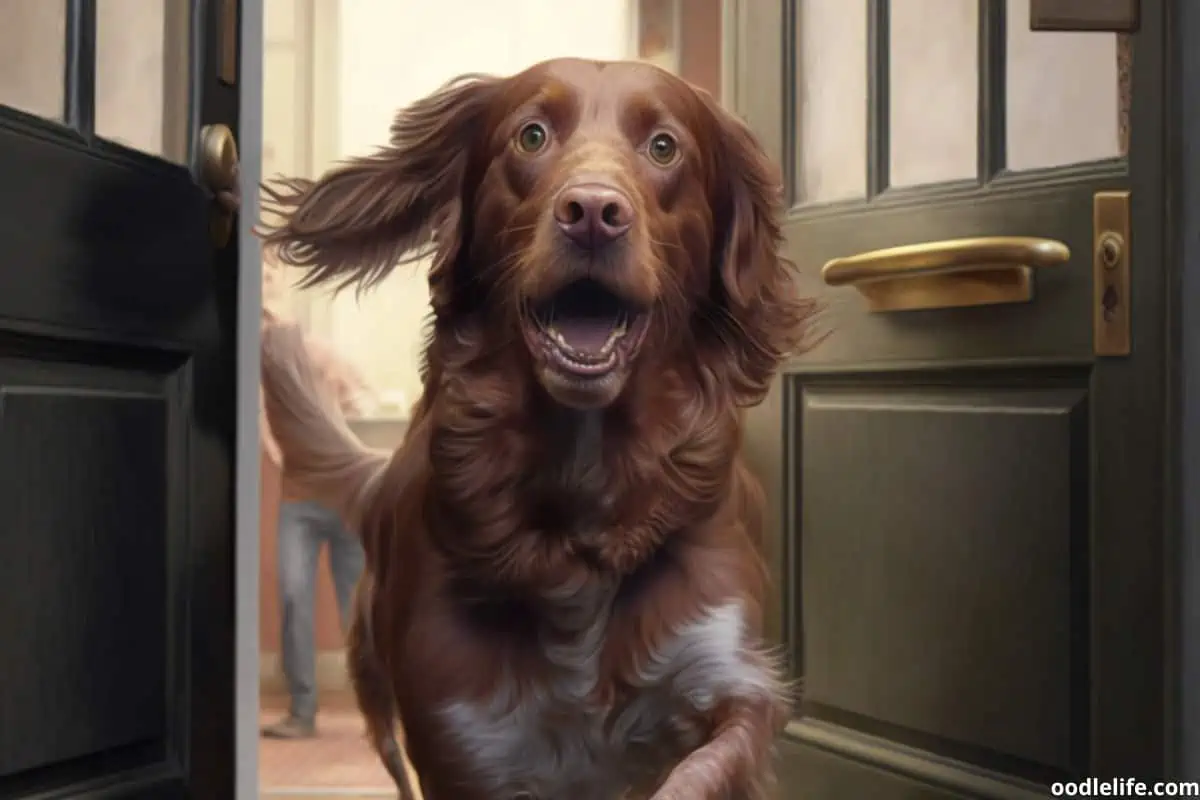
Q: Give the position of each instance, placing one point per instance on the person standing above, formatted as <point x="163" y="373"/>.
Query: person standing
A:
<point x="305" y="527"/>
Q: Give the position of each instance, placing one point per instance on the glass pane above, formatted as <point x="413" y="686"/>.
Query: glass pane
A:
<point x="33" y="60"/>
<point x="142" y="75"/>
<point x="688" y="44"/>
<point x="831" y="43"/>
<point x="933" y="91"/>
<point x="1063" y="95"/>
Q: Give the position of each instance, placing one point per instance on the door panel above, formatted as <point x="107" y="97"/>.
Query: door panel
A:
<point x="117" y="409"/>
<point x="946" y="613"/>
<point x="967" y="540"/>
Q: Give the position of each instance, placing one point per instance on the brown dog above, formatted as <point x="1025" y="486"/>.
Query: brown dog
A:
<point x="564" y="591"/>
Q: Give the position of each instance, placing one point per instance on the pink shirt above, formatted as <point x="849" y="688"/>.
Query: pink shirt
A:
<point x="336" y="375"/>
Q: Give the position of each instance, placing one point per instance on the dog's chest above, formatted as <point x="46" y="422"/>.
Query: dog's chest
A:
<point x="554" y="739"/>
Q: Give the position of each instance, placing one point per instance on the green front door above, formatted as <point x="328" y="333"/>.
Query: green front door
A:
<point x="968" y="471"/>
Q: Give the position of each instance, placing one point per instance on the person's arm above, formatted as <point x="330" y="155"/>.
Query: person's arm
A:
<point x="269" y="445"/>
<point x="267" y="439"/>
<point x="341" y="376"/>
<point x="355" y="395"/>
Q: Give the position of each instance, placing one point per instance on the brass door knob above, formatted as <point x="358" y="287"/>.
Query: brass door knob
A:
<point x="219" y="171"/>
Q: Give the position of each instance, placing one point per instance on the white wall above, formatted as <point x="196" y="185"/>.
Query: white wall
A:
<point x="392" y="52"/>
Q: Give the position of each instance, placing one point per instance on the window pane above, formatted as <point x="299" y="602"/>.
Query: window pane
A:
<point x="142" y="50"/>
<point x="934" y="91"/>
<point x="831" y="43"/>
<point x="33" y="39"/>
<point x="1063" y="95"/>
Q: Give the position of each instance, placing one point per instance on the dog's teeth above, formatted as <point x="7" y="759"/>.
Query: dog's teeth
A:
<point x="614" y="335"/>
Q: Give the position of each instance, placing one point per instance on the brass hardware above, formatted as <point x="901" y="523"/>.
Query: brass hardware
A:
<point x="1110" y="274"/>
<point x="1117" y="16"/>
<point x="1111" y="247"/>
<point x="227" y="42"/>
<point x="954" y="273"/>
<point x="219" y="170"/>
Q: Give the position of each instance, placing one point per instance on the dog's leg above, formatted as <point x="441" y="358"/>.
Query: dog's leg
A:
<point x="736" y="762"/>
<point x="373" y="690"/>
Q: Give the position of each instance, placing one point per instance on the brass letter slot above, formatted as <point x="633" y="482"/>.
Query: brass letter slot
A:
<point x="1110" y="274"/>
<point x="955" y="273"/>
<point x="1117" y="16"/>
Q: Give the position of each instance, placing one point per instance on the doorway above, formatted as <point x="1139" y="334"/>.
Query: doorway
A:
<point x="96" y="108"/>
<point x="335" y="72"/>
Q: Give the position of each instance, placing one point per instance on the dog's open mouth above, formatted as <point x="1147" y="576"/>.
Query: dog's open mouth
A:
<point x="587" y="330"/>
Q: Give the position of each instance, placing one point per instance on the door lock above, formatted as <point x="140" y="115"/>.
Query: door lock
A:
<point x="1110" y="274"/>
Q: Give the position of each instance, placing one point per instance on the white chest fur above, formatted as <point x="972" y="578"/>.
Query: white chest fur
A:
<point x="557" y="742"/>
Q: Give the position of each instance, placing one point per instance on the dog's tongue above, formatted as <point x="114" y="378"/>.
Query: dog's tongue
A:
<point x="584" y="334"/>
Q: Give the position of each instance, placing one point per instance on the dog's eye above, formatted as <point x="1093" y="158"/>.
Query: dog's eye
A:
<point x="663" y="149"/>
<point x="532" y="137"/>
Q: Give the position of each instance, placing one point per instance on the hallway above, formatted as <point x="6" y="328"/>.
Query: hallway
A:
<point x="337" y="765"/>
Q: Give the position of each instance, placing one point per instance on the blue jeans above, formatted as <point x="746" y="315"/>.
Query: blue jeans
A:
<point x="303" y="528"/>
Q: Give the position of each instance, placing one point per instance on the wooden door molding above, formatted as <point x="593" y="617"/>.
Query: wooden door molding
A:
<point x="1182" y="409"/>
<point x="247" y="464"/>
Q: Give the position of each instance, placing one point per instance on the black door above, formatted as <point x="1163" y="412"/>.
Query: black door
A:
<point x="117" y="399"/>
<point x="970" y="469"/>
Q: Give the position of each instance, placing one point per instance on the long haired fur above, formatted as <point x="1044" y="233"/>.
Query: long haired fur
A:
<point x="508" y="525"/>
<point x="399" y="205"/>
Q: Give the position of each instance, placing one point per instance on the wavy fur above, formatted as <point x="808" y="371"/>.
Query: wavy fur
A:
<point x="507" y="524"/>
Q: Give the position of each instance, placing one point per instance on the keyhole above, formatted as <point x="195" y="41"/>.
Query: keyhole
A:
<point x="1109" y="303"/>
<point x="1111" y="247"/>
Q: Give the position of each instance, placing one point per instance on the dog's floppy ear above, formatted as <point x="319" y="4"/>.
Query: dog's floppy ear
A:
<point x="370" y="214"/>
<point x="760" y="317"/>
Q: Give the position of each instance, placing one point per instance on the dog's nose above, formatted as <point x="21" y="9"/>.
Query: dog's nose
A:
<point x="593" y="214"/>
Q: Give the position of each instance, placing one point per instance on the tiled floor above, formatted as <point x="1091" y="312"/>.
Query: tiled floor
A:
<point x="337" y="764"/>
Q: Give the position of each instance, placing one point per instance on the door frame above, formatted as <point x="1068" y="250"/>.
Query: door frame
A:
<point x="246" y="460"/>
<point x="1184" y="358"/>
<point x="1173" y="165"/>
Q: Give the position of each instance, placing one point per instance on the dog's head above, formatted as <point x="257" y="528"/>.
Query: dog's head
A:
<point x="608" y="216"/>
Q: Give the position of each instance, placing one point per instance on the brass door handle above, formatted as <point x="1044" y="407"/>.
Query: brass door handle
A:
<point x="953" y="273"/>
<point x="219" y="170"/>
